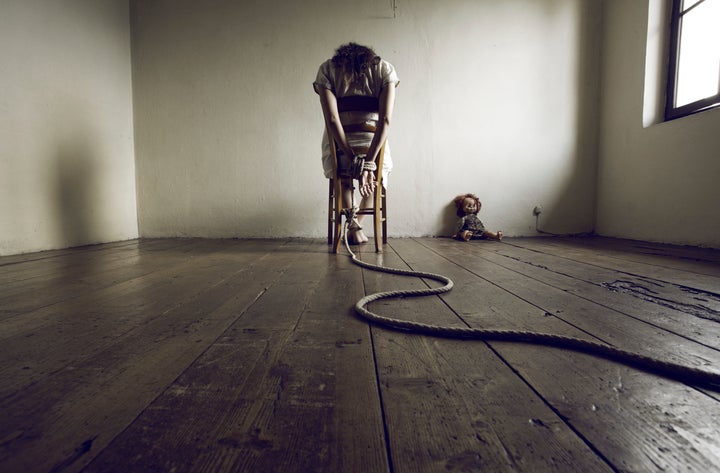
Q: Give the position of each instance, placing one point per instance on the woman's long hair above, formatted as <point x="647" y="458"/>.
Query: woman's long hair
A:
<point x="353" y="57"/>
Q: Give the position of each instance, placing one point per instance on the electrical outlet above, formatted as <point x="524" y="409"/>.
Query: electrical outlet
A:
<point x="537" y="210"/>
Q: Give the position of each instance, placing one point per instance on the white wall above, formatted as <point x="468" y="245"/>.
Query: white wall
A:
<point x="658" y="183"/>
<point x="496" y="98"/>
<point x="67" y="173"/>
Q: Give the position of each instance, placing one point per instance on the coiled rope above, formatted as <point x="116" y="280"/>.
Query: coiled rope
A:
<point x="683" y="373"/>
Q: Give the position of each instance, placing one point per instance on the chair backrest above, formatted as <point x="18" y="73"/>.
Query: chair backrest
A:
<point x="358" y="103"/>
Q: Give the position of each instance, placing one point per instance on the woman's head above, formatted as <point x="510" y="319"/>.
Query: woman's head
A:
<point x="353" y="57"/>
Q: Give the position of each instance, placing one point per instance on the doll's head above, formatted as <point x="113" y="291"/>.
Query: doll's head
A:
<point x="467" y="204"/>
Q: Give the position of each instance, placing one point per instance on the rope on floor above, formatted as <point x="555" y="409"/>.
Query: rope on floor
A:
<point x="683" y="373"/>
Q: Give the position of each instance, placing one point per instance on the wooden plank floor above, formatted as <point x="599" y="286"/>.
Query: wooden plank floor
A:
<point x="191" y="355"/>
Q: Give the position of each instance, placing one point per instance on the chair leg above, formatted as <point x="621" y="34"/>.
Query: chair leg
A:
<point x="338" y="234"/>
<point x="331" y="210"/>
<point x="377" y="218"/>
<point x="337" y="216"/>
<point x="383" y="201"/>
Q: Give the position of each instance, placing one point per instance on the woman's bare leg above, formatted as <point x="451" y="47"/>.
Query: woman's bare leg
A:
<point x="355" y="235"/>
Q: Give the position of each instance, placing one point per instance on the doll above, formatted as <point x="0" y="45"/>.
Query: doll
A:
<point x="470" y="227"/>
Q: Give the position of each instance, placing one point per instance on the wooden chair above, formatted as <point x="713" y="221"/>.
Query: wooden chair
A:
<point x="378" y="210"/>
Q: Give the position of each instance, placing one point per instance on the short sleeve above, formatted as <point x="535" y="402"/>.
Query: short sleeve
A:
<point x="389" y="76"/>
<point x="322" y="80"/>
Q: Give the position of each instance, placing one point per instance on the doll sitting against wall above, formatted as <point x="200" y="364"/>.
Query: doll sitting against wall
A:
<point x="470" y="227"/>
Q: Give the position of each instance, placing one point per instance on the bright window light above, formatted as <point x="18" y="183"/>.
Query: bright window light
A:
<point x="694" y="82"/>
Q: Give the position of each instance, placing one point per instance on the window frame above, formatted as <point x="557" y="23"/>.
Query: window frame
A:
<point x="671" y="111"/>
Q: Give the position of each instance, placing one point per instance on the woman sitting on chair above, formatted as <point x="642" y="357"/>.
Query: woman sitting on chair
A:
<point x="356" y="71"/>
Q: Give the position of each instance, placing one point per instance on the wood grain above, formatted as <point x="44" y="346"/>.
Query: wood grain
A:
<point x="192" y="355"/>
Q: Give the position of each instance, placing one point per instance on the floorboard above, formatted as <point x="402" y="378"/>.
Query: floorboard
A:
<point x="584" y="390"/>
<point x="192" y="355"/>
<point x="454" y="405"/>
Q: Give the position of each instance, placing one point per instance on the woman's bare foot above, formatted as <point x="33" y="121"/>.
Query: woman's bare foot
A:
<point x="357" y="237"/>
<point x="355" y="234"/>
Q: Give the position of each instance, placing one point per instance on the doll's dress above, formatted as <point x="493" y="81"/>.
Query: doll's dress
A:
<point x="472" y="222"/>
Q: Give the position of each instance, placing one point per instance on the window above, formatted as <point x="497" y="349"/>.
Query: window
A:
<point x="694" y="69"/>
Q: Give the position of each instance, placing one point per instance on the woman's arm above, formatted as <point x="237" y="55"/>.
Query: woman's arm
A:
<point x="386" y="105"/>
<point x="387" y="102"/>
<point x="328" y="102"/>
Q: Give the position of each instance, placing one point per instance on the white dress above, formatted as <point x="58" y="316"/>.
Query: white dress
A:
<point x="368" y="84"/>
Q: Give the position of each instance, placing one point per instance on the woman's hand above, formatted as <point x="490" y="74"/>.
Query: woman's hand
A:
<point x="367" y="183"/>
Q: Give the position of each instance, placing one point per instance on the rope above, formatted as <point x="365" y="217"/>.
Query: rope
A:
<point x="683" y="373"/>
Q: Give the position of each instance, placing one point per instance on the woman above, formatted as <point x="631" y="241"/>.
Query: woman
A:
<point x="356" y="70"/>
